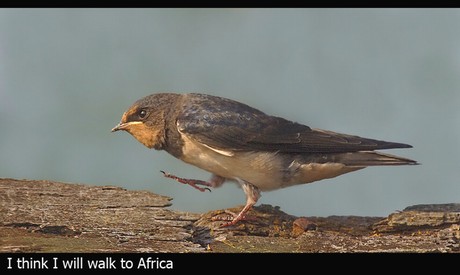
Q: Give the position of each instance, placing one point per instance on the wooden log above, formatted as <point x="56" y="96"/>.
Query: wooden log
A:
<point x="49" y="216"/>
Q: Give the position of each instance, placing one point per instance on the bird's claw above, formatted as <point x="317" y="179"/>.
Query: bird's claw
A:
<point x="190" y="182"/>
<point x="232" y="218"/>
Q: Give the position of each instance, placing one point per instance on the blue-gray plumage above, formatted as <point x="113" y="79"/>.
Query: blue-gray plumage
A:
<point x="236" y="142"/>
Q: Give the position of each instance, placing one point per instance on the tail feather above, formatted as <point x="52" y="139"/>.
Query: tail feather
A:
<point x="372" y="158"/>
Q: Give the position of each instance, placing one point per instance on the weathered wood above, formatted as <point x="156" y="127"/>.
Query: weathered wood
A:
<point x="48" y="216"/>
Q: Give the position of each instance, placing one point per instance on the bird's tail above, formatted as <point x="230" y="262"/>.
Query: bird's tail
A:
<point x="372" y="158"/>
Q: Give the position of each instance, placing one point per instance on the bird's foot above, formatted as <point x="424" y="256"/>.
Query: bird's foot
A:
<point x="233" y="218"/>
<point x="190" y="182"/>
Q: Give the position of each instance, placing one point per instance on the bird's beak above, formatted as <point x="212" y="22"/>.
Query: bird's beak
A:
<point x="120" y="126"/>
<point x="125" y="125"/>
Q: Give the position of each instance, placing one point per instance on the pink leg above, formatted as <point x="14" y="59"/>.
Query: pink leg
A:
<point x="252" y="195"/>
<point x="215" y="181"/>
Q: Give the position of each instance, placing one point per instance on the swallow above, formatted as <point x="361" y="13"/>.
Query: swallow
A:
<point x="236" y="142"/>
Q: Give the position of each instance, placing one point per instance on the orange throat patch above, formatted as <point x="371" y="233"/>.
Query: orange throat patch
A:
<point x="145" y="135"/>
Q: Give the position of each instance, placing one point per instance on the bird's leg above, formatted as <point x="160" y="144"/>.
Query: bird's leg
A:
<point x="252" y="196"/>
<point x="215" y="181"/>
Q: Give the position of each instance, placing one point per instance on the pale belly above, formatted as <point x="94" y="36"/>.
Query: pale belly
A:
<point x="266" y="170"/>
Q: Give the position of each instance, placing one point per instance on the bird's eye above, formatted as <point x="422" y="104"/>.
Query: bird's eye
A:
<point x="142" y="114"/>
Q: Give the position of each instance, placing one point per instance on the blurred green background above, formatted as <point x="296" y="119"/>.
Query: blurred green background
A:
<point x="67" y="75"/>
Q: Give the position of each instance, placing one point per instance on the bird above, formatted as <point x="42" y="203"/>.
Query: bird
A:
<point x="238" y="143"/>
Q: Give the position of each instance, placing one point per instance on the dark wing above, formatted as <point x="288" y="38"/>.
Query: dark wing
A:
<point x="229" y="125"/>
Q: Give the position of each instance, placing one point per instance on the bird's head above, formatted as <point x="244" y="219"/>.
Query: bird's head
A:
<point x="145" y="120"/>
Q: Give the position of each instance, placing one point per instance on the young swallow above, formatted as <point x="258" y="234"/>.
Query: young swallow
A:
<point x="236" y="142"/>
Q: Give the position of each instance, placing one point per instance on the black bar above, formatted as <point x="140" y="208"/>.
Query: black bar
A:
<point x="204" y="262"/>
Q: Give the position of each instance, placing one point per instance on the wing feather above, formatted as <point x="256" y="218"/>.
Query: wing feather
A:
<point x="224" y="124"/>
